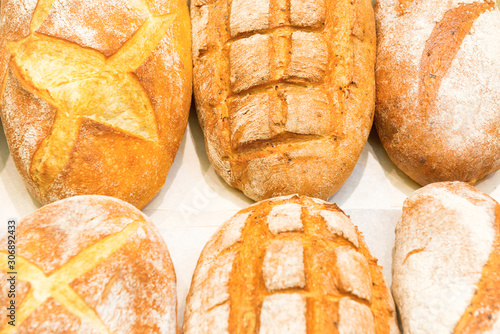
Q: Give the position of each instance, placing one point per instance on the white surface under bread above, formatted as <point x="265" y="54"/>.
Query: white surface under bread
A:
<point x="195" y="201"/>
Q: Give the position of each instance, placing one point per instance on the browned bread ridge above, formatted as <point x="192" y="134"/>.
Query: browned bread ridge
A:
<point x="94" y="95"/>
<point x="446" y="268"/>
<point x="89" y="264"/>
<point x="438" y="87"/>
<point x="284" y="91"/>
<point x="289" y="265"/>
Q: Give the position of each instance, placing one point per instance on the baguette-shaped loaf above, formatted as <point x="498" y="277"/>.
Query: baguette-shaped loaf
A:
<point x="88" y="265"/>
<point x="446" y="268"/>
<point x="438" y="87"/>
<point x="94" y="95"/>
<point x="284" y="91"/>
<point x="289" y="265"/>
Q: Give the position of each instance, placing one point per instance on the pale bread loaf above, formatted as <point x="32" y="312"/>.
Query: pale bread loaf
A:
<point x="284" y="91"/>
<point x="89" y="264"/>
<point x="446" y="268"/>
<point x="289" y="265"/>
<point x="94" y="94"/>
<point x="438" y="87"/>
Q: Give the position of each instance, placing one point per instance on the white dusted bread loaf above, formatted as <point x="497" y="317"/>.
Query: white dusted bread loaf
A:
<point x="88" y="265"/>
<point x="288" y="265"/>
<point x="446" y="268"/>
<point x="285" y="91"/>
<point x="438" y="87"/>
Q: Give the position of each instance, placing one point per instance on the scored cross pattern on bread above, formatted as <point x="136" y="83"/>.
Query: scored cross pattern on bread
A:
<point x="291" y="265"/>
<point x="83" y="83"/>
<point x="89" y="264"/>
<point x="93" y="89"/>
<point x="273" y="78"/>
<point x="56" y="285"/>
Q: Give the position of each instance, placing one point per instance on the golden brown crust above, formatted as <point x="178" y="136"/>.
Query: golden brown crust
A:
<point x="433" y="88"/>
<point x="92" y="279"/>
<point x="294" y="249"/>
<point x="403" y="5"/>
<point x="120" y="70"/>
<point x="442" y="47"/>
<point x="284" y="91"/>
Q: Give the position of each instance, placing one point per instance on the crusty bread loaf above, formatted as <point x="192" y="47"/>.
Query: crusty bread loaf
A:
<point x="446" y="268"/>
<point x="284" y="91"/>
<point x="286" y="265"/>
<point x="89" y="264"/>
<point x="438" y="87"/>
<point x="95" y="95"/>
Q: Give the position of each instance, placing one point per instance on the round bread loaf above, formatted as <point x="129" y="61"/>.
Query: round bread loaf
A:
<point x="95" y="95"/>
<point x="88" y="264"/>
<point x="288" y="265"/>
<point x="438" y="87"/>
<point x="284" y="91"/>
<point x="446" y="268"/>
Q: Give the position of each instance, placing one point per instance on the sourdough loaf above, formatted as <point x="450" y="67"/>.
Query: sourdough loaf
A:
<point x="94" y="95"/>
<point x="89" y="264"/>
<point x="284" y="91"/>
<point x="286" y="265"/>
<point x="438" y="87"/>
<point x="446" y="268"/>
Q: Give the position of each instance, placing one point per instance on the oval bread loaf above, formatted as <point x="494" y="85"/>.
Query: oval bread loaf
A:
<point x="446" y="268"/>
<point x="288" y="265"/>
<point x="94" y="95"/>
<point x="438" y="87"/>
<point x="284" y="91"/>
<point x="89" y="264"/>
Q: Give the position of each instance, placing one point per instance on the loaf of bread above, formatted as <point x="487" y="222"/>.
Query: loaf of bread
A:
<point x="446" y="268"/>
<point x="88" y="264"/>
<point x="284" y="91"/>
<point x="438" y="87"/>
<point x="288" y="265"/>
<point x="94" y="94"/>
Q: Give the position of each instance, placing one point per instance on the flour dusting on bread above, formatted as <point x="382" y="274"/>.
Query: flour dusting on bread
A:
<point x="92" y="279"/>
<point x="286" y="272"/>
<point x="438" y="88"/>
<point x="443" y="241"/>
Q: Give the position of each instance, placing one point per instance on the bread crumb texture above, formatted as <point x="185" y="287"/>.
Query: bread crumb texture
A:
<point x="446" y="268"/>
<point x="108" y="272"/>
<point x="92" y="90"/>
<point x="284" y="91"/>
<point x="289" y="265"/>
